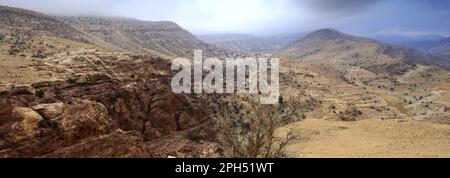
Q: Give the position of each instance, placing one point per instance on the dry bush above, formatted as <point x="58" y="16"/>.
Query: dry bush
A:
<point x="247" y="129"/>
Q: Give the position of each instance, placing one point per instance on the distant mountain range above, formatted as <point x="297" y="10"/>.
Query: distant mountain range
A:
<point x="437" y="47"/>
<point x="402" y="39"/>
<point x="433" y="44"/>
<point x="250" y="43"/>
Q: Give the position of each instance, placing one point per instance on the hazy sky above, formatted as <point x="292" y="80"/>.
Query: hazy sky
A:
<point x="363" y="17"/>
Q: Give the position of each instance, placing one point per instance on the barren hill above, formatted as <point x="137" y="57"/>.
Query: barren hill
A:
<point x="138" y="36"/>
<point x="331" y="46"/>
<point x="21" y="21"/>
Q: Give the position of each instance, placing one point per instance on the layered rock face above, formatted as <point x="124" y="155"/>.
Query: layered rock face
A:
<point x="119" y="105"/>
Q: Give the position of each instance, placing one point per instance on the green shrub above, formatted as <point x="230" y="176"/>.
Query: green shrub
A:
<point x="72" y="81"/>
<point x="220" y="150"/>
<point x="193" y="136"/>
<point x="40" y="93"/>
<point x="42" y="124"/>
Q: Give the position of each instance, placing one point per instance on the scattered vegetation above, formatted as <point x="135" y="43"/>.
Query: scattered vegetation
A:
<point x="351" y="114"/>
<point x="39" y="54"/>
<point x="247" y="129"/>
<point x="18" y="45"/>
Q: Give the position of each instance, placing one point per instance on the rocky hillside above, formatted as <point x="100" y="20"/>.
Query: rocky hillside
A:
<point x="99" y="100"/>
<point x="33" y="23"/>
<point x="141" y="36"/>
<point x="360" y="78"/>
<point x="63" y="96"/>
<point x="331" y="46"/>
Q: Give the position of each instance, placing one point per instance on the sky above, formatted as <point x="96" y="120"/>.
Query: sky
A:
<point x="264" y="17"/>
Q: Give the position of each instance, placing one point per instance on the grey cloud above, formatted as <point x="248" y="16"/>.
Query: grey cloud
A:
<point x="69" y="7"/>
<point x="340" y="7"/>
<point x="266" y="16"/>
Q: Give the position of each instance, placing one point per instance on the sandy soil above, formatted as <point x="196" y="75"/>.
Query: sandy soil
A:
<point x="19" y="70"/>
<point x="368" y="138"/>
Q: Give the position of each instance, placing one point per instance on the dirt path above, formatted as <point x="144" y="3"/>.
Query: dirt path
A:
<point x="368" y="138"/>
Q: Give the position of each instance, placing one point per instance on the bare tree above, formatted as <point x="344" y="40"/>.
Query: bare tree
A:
<point x="247" y="129"/>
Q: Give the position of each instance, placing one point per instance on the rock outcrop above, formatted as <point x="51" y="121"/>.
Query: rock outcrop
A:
<point x="119" y="105"/>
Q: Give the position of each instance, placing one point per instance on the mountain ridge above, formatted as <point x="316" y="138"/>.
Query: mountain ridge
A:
<point x="330" y="45"/>
<point x="135" y="35"/>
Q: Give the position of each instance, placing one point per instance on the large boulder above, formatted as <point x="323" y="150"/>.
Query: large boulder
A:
<point x="28" y="123"/>
<point x="50" y="111"/>
<point x="31" y="135"/>
<point x="83" y="119"/>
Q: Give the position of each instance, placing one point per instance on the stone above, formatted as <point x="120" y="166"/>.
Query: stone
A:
<point x="28" y="123"/>
<point x="49" y="111"/>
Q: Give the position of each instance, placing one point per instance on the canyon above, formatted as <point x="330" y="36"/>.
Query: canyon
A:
<point x="101" y="87"/>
